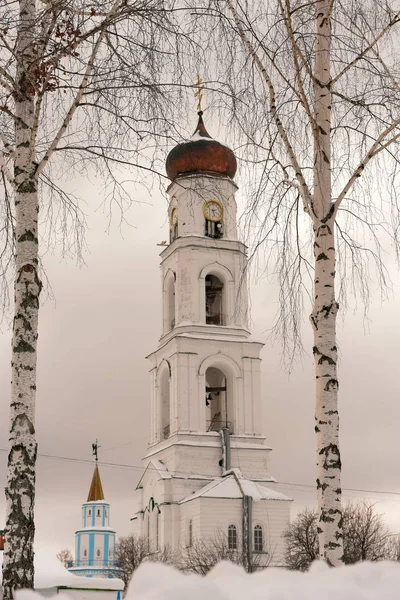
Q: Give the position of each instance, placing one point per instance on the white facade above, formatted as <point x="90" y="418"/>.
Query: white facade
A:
<point x="206" y="469"/>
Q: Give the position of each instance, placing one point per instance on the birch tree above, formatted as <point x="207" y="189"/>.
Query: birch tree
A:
<point x="84" y="84"/>
<point x="315" y="98"/>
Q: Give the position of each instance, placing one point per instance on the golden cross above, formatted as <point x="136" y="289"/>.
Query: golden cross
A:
<point x="198" y="94"/>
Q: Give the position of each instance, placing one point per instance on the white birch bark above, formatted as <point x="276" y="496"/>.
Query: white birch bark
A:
<point x="41" y="63"/>
<point x="20" y="491"/>
<point x="295" y="69"/>
<point x="323" y="316"/>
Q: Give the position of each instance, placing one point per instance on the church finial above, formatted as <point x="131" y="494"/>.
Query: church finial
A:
<point x="95" y="448"/>
<point x="198" y="94"/>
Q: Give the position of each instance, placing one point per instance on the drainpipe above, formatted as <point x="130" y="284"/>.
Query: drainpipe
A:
<point x="226" y="449"/>
<point x="247" y="527"/>
<point x="247" y="533"/>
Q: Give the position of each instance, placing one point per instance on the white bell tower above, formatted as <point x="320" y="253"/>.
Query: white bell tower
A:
<point x="206" y="396"/>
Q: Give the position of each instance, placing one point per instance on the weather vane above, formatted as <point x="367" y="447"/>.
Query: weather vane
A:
<point x="199" y="94"/>
<point x="95" y="448"/>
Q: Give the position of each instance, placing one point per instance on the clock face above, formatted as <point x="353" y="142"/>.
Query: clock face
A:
<point x="213" y="211"/>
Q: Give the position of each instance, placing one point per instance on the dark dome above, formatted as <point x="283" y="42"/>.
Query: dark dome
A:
<point x="200" y="153"/>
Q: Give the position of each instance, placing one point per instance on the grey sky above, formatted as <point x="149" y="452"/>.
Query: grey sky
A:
<point x="93" y="382"/>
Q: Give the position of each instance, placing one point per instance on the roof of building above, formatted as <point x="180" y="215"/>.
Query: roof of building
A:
<point x="233" y="485"/>
<point x="201" y="154"/>
<point x="96" y="489"/>
<point x="50" y="573"/>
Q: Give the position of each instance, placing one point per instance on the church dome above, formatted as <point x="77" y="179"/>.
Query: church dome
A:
<point x="200" y="154"/>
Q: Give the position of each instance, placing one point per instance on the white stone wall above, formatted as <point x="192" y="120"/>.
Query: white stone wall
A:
<point x="187" y="262"/>
<point x="184" y="360"/>
<point x="212" y="517"/>
<point x="84" y="546"/>
<point x="188" y="454"/>
<point x="274" y="516"/>
<point x="189" y="193"/>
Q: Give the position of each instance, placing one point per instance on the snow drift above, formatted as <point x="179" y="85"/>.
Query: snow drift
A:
<point x="363" y="581"/>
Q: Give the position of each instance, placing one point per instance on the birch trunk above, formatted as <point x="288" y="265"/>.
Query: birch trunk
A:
<point x="18" y="569"/>
<point x="323" y="317"/>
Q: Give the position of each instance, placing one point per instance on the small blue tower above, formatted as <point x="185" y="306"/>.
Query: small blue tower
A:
<point x="95" y="541"/>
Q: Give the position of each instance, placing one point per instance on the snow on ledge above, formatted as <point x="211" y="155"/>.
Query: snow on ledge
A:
<point x="363" y="581"/>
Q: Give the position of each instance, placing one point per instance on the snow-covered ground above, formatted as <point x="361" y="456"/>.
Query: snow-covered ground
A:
<point x="51" y="576"/>
<point x="155" y="581"/>
<point x="364" y="581"/>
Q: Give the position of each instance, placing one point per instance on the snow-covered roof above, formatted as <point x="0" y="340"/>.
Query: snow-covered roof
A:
<point x="234" y="485"/>
<point x="50" y="573"/>
<point x="213" y="442"/>
<point x="157" y="466"/>
<point x="95" y="528"/>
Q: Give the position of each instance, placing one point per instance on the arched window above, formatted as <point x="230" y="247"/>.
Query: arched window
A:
<point x="258" y="539"/>
<point x="157" y="532"/>
<point x="173" y="225"/>
<point x="190" y="534"/>
<point x="98" y="512"/>
<point x="85" y="553"/>
<point x="218" y="403"/>
<point x="214" y="300"/>
<point x="232" y="537"/>
<point x="98" y="553"/>
<point x="165" y="405"/>
<point x="171" y="301"/>
<point x="89" y="512"/>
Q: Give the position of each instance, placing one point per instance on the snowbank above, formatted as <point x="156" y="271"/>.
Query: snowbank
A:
<point x="50" y="573"/>
<point x="364" y="581"/>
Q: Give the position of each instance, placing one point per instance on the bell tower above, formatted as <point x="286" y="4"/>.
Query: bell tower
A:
<point x="205" y="392"/>
<point x="206" y="368"/>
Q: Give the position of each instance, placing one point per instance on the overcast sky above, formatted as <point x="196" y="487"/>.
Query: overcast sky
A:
<point x="93" y="382"/>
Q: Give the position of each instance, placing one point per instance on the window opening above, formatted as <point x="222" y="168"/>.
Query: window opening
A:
<point x="157" y="532"/>
<point x="258" y="539"/>
<point x="90" y="513"/>
<point x="214" y="297"/>
<point x="98" y="512"/>
<point x="173" y="225"/>
<point x="85" y="553"/>
<point x="232" y="537"/>
<point x="190" y="536"/>
<point x="171" y="301"/>
<point x="165" y="405"/>
<point x="218" y="411"/>
<point x="98" y="552"/>
<point x="213" y="230"/>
